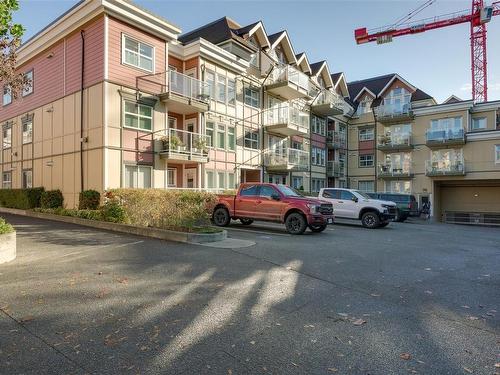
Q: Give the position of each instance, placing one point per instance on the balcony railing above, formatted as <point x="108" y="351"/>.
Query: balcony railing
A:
<point x="178" y="89"/>
<point x="445" y="167"/>
<point x="388" y="113"/>
<point x="181" y="145"/>
<point x="286" y="75"/>
<point x="287" y="159"/>
<point x="336" y="139"/>
<point x="394" y="142"/>
<point x="328" y="103"/>
<point x="335" y="168"/>
<point x="448" y="135"/>
<point x="287" y="120"/>
<point x="391" y="170"/>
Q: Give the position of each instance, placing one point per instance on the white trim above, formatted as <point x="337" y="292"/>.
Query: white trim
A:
<point x="397" y="76"/>
<point x="483" y="135"/>
<point x="129" y="164"/>
<point x="497" y="161"/>
<point x="300" y="61"/>
<point x="361" y="91"/>
<point x="106" y="47"/>
<point x="124" y="62"/>
<point x="255" y="28"/>
<point x="284" y="34"/>
<point x="443" y="108"/>
<point x="487" y="106"/>
<point x="450" y="98"/>
<point x="138" y="116"/>
<point x="329" y="80"/>
<point x="105" y="136"/>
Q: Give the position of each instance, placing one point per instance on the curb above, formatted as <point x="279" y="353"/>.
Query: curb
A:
<point x="162" y="234"/>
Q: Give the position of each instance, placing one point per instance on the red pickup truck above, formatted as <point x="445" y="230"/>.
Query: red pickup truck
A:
<point x="272" y="202"/>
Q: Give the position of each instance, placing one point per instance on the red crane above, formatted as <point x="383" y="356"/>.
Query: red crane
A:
<point x="478" y="17"/>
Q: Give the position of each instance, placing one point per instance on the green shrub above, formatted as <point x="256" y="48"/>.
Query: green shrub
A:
<point x="112" y="210"/>
<point x="89" y="200"/>
<point x="82" y="214"/>
<point x="52" y="199"/>
<point x="23" y="199"/>
<point x="167" y="209"/>
<point x="5" y="227"/>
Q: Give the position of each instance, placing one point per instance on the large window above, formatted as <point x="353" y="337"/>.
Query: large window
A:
<point x="453" y="124"/>
<point x="252" y="97"/>
<point x="27" y="179"/>
<point x="221" y="88"/>
<point x="209" y="130"/>
<point x="231" y="91"/>
<point x="28" y="88"/>
<point x="7" y="180"/>
<point x="210" y="80"/>
<point x="366" y="186"/>
<point x="137" y="54"/>
<point x="366" y="160"/>
<point x="7" y="95"/>
<point x="7" y="136"/>
<point x="210" y="179"/>
<point x="27" y="130"/>
<point x="479" y="123"/>
<point x="366" y="134"/>
<point x="231" y="138"/>
<point x="317" y="184"/>
<point x="171" y="177"/>
<point x="137" y="176"/>
<point x="138" y="116"/>
<point x="318" y="125"/>
<point x="398" y="187"/>
<point x="255" y="57"/>
<point x="221" y="136"/>
<point x="230" y="181"/>
<point x="318" y="156"/>
<point x="298" y="182"/>
<point x="252" y="139"/>
<point x="364" y="106"/>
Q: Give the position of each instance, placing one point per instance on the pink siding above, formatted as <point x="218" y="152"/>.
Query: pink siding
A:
<point x="49" y="73"/>
<point x="124" y="74"/>
<point x="136" y="140"/>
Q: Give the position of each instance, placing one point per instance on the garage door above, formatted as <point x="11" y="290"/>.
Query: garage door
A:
<point x="471" y="204"/>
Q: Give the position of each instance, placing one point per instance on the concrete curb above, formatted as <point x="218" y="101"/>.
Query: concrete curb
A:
<point x="162" y="234"/>
<point x="7" y="247"/>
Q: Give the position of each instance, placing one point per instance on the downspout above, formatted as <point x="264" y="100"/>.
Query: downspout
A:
<point x="375" y="147"/>
<point x="82" y="34"/>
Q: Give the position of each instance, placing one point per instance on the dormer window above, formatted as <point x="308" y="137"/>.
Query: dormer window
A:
<point x="321" y="82"/>
<point x="280" y="55"/>
<point x="398" y="97"/>
<point x="255" y="57"/>
<point x="364" y="105"/>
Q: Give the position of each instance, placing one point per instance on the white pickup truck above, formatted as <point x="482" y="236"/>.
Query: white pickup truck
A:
<point x="356" y="205"/>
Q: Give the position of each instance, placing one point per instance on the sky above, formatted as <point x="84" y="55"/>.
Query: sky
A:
<point x="437" y="61"/>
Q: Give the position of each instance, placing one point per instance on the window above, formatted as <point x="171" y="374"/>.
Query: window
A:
<point x="252" y="97"/>
<point x="366" y="160"/>
<point x="497" y="154"/>
<point x="221" y="180"/>
<point x="318" y="125"/>
<point x="171" y="177"/>
<point x="210" y="79"/>
<point x="398" y="187"/>
<point x="231" y="91"/>
<point x="318" y="156"/>
<point x="478" y="123"/>
<point x="138" y="116"/>
<point x="137" y="176"/>
<point x="346" y="195"/>
<point x="210" y="179"/>
<point x="27" y="131"/>
<point x="252" y="139"/>
<point x="221" y="136"/>
<point x="28" y="88"/>
<point x="27" y="179"/>
<point x="231" y="138"/>
<point x="230" y="181"/>
<point x="209" y="130"/>
<point x="7" y="180"/>
<point x="7" y="96"/>
<point x="7" y="136"/>
<point x="298" y="182"/>
<point x="137" y="54"/>
<point x="331" y="193"/>
<point x="221" y="88"/>
<point x="280" y="54"/>
<point x="317" y="184"/>
<point x="366" y="186"/>
<point x="364" y="106"/>
<point x="451" y="124"/>
<point x="366" y="134"/>
<point x="267" y="191"/>
<point x="248" y="190"/>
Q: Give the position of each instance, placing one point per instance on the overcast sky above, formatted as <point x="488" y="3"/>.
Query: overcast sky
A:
<point x="436" y="61"/>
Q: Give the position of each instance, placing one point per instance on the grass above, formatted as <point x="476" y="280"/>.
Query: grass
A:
<point x="5" y="227"/>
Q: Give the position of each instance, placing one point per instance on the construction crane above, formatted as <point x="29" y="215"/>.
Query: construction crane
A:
<point x="478" y="17"/>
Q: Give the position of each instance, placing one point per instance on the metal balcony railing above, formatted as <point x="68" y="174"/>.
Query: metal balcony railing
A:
<point x="394" y="170"/>
<point x="182" y="142"/>
<point x="393" y="110"/>
<point x="394" y="140"/>
<point x="287" y="115"/>
<point x="287" y="73"/>
<point x="445" y="135"/>
<point x="335" y="168"/>
<point x="445" y="167"/>
<point x="330" y="97"/>
<point x="289" y="158"/>
<point x="336" y="139"/>
<point x="175" y="83"/>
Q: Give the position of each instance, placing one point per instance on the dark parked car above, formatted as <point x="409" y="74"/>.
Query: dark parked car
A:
<point x="406" y="203"/>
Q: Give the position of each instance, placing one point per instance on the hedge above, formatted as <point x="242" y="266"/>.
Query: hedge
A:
<point x="23" y="199"/>
<point x="89" y="200"/>
<point x="51" y="199"/>
<point x="5" y="227"/>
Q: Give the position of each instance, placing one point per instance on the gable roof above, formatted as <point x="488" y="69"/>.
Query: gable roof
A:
<point x="256" y="28"/>
<point x="338" y="79"/>
<point x="452" y="99"/>
<point x="301" y="60"/>
<point x="276" y="38"/>
<point x="321" y="67"/>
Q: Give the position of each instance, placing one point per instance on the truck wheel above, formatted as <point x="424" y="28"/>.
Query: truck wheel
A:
<point x="246" y="221"/>
<point x="295" y="223"/>
<point x="370" y="220"/>
<point x="317" y="228"/>
<point x="400" y="216"/>
<point x="221" y="217"/>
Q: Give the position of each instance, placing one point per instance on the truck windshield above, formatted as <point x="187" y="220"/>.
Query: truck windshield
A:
<point x="363" y="194"/>
<point x="288" y="191"/>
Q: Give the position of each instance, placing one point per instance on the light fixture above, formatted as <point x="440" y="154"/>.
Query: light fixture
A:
<point x="50" y="163"/>
<point x="50" y="55"/>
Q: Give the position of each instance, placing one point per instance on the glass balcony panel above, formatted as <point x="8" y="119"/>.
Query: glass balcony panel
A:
<point x="183" y="145"/>
<point x="445" y="134"/>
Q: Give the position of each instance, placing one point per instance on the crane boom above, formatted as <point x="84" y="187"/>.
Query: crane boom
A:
<point x="477" y="18"/>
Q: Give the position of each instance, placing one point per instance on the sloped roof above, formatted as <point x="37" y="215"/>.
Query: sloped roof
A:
<point x="336" y="76"/>
<point x="452" y="99"/>
<point x="274" y="37"/>
<point x="316" y="67"/>
<point x="246" y="29"/>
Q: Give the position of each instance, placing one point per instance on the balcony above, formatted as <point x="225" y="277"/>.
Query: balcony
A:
<point x="388" y="114"/>
<point x="286" y="120"/>
<point x="394" y="171"/>
<point x="390" y="143"/>
<point x="286" y="160"/>
<point x="445" y="167"/>
<point x="335" y="168"/>
<point x="445" y="137"/>
<point x="289" y="83"/>
<point x="328" y="103"/>
<point x="183" y="147"/>
<point x="181" y="93"/>
<point x="336" y="140"/>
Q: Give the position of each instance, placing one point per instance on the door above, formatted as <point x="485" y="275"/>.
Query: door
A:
<point x="188" y="137"/>
<point x="277" y="179"/>
<point x="266" y="207"/>
<point x="277" y="149"/>
<point x="244" y="204"/>
<point x="347" y="206"/>
<point x="333" y="196"/>
<point x="190" y="178"/>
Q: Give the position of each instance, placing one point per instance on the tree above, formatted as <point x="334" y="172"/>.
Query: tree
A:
<point x="10" y="40"/>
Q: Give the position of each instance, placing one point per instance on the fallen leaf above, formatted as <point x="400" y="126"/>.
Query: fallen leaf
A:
<point x="296" y="365"/>
<point x="473" y="318"/>
<point x="332" y="369"/>
<point x="122" y="280"/>
<point x="427" y="269"/>
<point x="466" y="307"/>
<point x="428" y="292"/>
<point x="468" y="370"/>
<point x="405" y="356"/>
<point x="359" y="322"/>
<point x="26" y="319"/>
<point x="252" y="342"/>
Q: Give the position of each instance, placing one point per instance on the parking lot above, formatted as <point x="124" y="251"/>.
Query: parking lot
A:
<point x="410" y="298"/>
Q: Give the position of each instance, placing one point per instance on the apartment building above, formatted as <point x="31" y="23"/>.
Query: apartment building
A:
<point x="121" y="98"/>
<point x="401" y="140"/>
